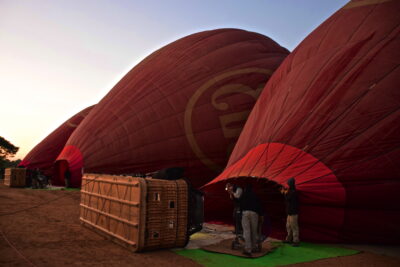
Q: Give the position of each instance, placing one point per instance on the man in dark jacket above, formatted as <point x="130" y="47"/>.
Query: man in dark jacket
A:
<point x="292" y="210"/>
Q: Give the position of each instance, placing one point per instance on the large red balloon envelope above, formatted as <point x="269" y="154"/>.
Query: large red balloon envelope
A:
<point x="184" y="105"/>
<point x="44" y="154"/>
<point x="329" y="116"/>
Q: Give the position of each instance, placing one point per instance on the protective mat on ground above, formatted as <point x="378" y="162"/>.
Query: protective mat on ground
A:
<point x="282" y="255"/>
<point x="225" y="247"/>
<point x="54" y="188"/>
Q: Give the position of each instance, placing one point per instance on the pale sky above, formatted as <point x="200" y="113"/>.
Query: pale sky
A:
<point x="58" y="57"/>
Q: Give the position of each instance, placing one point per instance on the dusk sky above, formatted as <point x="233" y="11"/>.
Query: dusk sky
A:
<point x="61" y="56"/>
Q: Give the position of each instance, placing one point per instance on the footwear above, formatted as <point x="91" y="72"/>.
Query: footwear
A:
<point x="257" y="248"/>
<point x="286" y="242"/>
<point x="262" y="238"/>
<point x="296" y="244"/>
<point x="248" y="254"/>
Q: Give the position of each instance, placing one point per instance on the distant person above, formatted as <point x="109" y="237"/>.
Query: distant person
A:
<point x="34" y="175"/>
<point x="49" y="180"/>
<point x="292" y="210"/>
<point x="28" y="179"/>
<point x="42" y="180"/>
<point x="67" y="178"/>
<point x="251" y="212"/>
<point x="235" y="193"/>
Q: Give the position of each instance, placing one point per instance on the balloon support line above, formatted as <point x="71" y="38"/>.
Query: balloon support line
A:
<point x="322" y="129"/>
<point x="16" y="250"/>
<point x="41" y="204"/>
<point x="346" y="141"/>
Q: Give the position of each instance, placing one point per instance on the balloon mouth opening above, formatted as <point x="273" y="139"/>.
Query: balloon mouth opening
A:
<point x="71" y="160"/>
<point x="60" y="168"/>
<point x="219" y="207"/>
<point x="24" y="163"/>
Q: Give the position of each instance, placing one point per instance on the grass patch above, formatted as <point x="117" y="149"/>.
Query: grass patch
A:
<point x="282" y="255"/>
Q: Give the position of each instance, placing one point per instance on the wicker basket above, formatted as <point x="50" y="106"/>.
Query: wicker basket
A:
<point x="142" y="214"/>
<point x="15" y="177"/>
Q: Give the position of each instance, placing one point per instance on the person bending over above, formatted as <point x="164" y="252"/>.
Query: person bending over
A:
<point x="235" y="193"/>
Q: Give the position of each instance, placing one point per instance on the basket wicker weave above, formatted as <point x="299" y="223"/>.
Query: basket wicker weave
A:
<point x="142" y="214"/>
<point x="15" y="177"/>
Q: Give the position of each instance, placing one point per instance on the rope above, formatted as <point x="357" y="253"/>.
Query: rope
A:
<point x="16" y="250"/>
<point x="176" y="211"/>
<point x="32" y="207"/>
<point x="41" y="204"/>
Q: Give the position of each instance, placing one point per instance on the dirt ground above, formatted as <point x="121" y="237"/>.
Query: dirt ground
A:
<point x="51" y="235"/>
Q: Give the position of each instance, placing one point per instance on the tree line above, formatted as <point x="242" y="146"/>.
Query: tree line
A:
<point x="7" y="152"/>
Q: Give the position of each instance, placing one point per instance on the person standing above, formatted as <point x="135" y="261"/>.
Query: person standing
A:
<point x="67" y="178"/>
<point x="235" y="193"/>
<point x="35" y="179"/>
<point x="292" y="210"/>
<point x="251" y="210"/>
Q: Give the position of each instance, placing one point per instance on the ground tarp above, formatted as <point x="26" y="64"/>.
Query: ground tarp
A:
<point x="282" y="255"/>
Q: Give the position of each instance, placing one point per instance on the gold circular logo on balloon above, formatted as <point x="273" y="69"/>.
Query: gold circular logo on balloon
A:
<point x="228" y="88"/>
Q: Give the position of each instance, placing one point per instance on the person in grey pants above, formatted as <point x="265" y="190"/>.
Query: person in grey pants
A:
<point x="252" y="209"/>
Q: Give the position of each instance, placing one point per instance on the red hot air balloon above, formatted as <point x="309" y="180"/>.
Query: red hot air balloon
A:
<point x="329" y="116"/>
<point x="44" y="154"/>
<point x="184" y="105"/>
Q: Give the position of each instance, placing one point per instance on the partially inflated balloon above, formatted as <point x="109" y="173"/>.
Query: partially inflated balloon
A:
<point x="184" y="105"/>
<point x="329" y="116"/>
<point x="44" y="154"/>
